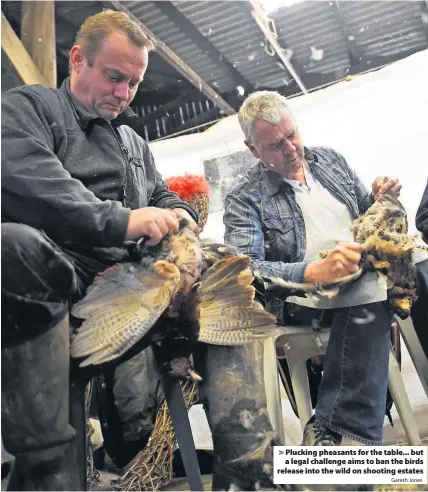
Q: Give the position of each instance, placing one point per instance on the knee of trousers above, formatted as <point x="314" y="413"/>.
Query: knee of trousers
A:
<point x="33" y="266"/>
<point x="37" y="281"/>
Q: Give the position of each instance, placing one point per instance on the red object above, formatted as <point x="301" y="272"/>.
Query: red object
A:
<point x="188" y="185"/>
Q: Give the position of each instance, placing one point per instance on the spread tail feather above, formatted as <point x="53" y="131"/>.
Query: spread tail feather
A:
<point x="228" y="312"/>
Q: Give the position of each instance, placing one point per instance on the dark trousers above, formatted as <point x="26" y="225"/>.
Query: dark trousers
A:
<point x="40" y="281"/>
<point x="420" y="307"/>
<point x="352" y="393"/>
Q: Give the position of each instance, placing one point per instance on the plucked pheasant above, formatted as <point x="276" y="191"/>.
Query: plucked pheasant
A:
<point x="174" y="294"/>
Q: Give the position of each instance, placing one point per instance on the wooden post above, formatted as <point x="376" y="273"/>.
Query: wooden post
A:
<point x="18" y="55"/>
<point x="38" y="36"/>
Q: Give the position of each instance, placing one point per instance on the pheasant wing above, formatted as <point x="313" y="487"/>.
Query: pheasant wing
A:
<point x="120" y="307"/>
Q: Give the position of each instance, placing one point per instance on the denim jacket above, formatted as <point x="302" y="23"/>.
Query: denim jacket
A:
<point x="263" y="220"/>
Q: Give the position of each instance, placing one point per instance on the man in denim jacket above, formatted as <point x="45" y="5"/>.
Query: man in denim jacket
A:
<point x="294" y="203"/>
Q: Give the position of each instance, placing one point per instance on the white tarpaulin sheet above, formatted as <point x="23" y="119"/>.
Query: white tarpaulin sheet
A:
<point x="378" y="121"/>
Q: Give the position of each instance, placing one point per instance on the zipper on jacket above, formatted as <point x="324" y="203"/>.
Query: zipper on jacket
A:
<point x="124" y="151"/>
<point x="131" y="159"/>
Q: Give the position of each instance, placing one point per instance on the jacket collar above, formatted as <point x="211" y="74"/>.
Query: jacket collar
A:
<point x="274" y="181"/>
<point x="85" y="117"/>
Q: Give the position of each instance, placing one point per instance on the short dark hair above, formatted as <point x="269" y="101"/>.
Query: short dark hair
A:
<point x="99" y="26"/>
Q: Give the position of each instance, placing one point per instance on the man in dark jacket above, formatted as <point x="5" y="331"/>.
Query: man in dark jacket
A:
<point x="294" y="203"/>
<point x="422" y="215"/>
<point x="419" y="308"/>
<point x="76" y="184"/>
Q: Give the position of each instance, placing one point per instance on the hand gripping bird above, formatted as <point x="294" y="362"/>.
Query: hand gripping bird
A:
<point x="383" y="228"/>
<point x="176" y="292"/>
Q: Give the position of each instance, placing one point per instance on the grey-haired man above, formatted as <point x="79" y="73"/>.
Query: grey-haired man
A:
<point x="296" y="202"/>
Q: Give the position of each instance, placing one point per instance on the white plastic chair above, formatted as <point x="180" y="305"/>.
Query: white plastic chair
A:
<point x="302" y="342"/>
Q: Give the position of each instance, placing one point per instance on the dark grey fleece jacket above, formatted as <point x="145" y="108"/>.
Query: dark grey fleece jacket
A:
<point x="422" y="215"/>
<point x="71" y="174"/>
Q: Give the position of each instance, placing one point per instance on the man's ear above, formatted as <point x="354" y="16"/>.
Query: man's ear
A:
<point x="76" y="58"/>
<point x="252" y="149"/>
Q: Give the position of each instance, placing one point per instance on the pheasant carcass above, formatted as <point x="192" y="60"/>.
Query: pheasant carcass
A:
<point x="174" y="294"/>
<point x="383" y="228"/>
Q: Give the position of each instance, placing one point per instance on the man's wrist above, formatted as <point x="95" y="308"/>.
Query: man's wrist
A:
<point x="309" y="275"/>
<point x="132" y="228"/>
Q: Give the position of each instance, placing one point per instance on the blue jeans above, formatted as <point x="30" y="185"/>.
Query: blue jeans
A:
<point x="352" y="393"/>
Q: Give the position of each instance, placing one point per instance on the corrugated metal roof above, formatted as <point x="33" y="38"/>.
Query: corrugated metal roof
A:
<point x="325" y="39"/>
<point x="379" y="28"/>
<point x="230" y="27"/>
<point x="311" y="26"/>
<point x="312" y="31"/>
<point x="175" y="39"/>
<point x="385" y="28"/>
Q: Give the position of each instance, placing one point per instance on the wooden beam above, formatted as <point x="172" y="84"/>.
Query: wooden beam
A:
<point x="18" y="55"/>
<point x="38" y="36"/>
<point x="267" y="26"/>
<point x="170" y="57"/>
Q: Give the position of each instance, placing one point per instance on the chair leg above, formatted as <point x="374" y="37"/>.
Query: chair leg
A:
<point x="299" y="380"/>
<point x="401" y="400"/>
<point x="183" y="432"/>
<point x="414" y="347"/>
